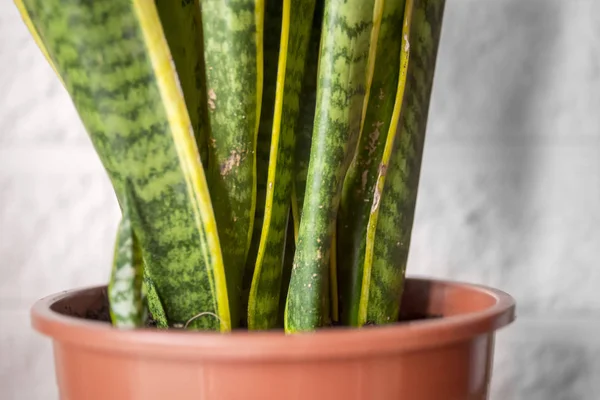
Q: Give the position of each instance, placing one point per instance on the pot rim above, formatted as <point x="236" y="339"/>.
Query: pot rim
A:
<point x="330" y="343"/>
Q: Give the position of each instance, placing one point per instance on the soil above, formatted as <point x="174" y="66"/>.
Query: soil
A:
<point x="102" y="314"/>
<point x="412" y="317"/>
<point x="409" y="317"/>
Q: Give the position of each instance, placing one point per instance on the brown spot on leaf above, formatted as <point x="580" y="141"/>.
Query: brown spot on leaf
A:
<point x="232" y="161"/>
<point x="376" y="198"/>
<point x="382" y="169"/>
<point x="373" y="137"/>
<point x="212" y="97"/>
<point x="365" y="175"/>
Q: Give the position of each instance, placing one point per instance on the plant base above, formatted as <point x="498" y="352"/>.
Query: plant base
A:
<point x="448" y="358"/>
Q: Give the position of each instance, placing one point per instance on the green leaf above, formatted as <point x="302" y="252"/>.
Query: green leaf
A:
<point x="154" y="304"/>
<point x="332" y="303"/>
<point x="272" y="32"/>
<point x="263" y="305"/>
<point x="233" y="44"/>
<point x="359" y="185"/>
<point x="288" y="260"/>
<point x="182" y="24"/>
<point x="35" y="35"/>
<point x="342" y="83"/>
<point x="114" y="60"/>
<point x="125" y="288"/>
<point x="306" y="117"/>
<point x="391" y="221"/>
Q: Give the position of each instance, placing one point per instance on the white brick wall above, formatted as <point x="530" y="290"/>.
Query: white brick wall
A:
<point x="510" y="192"/>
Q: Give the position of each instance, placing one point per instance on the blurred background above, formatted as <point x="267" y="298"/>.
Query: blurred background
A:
<point x="509" y="196"/>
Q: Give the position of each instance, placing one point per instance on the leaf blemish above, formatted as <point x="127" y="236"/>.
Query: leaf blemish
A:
<point x="376" y="198"/>
<point x="364" y="180"/>
<point x="373" y="137"/>
<point x="212" y="97"/>
<point x="232" y="161"/>
<point x="382" y="170"/>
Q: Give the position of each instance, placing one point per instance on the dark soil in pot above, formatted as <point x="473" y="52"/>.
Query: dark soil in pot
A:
<point x="101" y="312"/>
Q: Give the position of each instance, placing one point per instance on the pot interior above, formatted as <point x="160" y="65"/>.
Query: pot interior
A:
<point x="422" y="299"/>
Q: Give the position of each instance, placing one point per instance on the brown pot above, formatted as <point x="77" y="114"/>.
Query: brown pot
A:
<point x="447" y="358"/>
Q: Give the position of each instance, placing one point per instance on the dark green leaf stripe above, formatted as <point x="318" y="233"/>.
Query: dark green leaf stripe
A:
<point x="125" y="288"/>
<point x="233" y="55"/>
<point x="357" y="196"/>
<point x="116" y="66"/>
<point x="340" y="93"/>
<point x="397" y="205"/>
<point x="263" y="304"/>
<point x="182" y="26"/>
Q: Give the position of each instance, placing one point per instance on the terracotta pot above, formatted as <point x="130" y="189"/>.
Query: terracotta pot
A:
<point x="446" y="358"/>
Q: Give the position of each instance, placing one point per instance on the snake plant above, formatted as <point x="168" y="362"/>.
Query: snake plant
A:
<point x="265" y="154"/>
